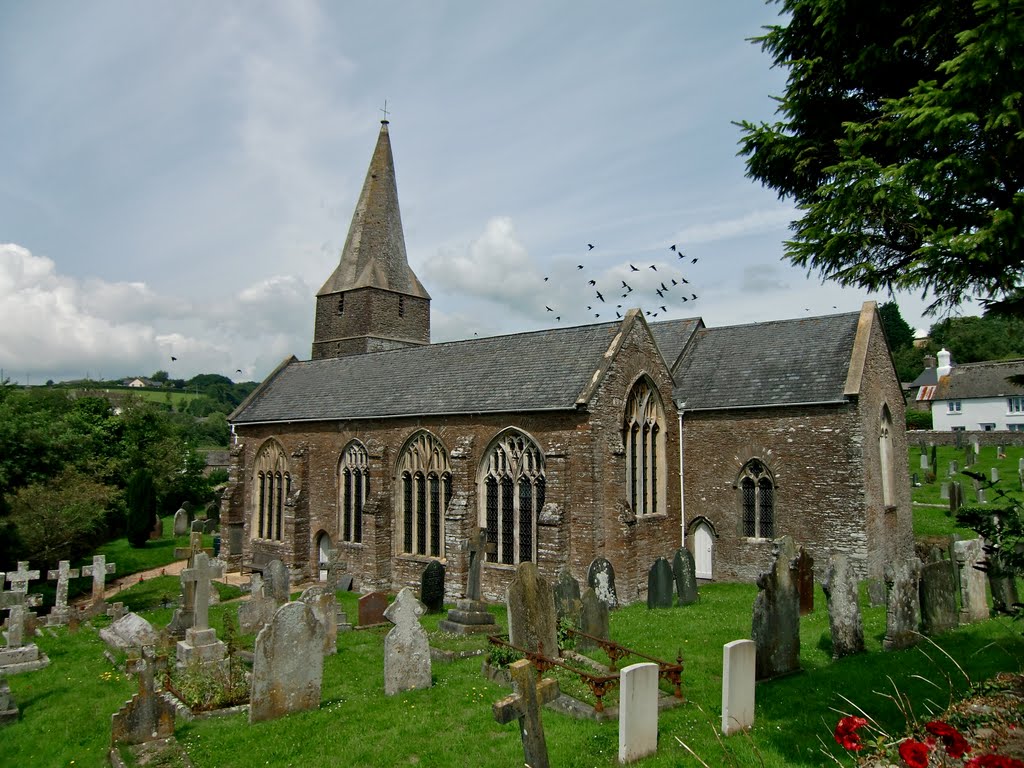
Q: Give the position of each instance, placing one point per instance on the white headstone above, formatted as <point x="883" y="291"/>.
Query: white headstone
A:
<point x="638" y="711"/>
<point x="738" y="672"/>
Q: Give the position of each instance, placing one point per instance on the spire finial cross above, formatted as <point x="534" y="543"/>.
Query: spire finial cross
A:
<point x="385" y="110"/>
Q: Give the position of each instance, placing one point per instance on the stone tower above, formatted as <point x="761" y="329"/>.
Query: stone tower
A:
<point x="373" y="301"/>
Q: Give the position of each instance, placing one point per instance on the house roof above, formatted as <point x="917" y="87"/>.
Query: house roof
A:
<point x="987" y="379"/>
<point x="786" y="362"/>
<point x="541" y="370"/>
<point x="672" y="336"/>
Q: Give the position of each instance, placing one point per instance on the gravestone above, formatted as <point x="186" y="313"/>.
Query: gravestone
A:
<point x="277" y="581"/>
<point x="432" y="587"/>
<point x="19" y="579"/>
<point x="371" y="609"/>
<point x="8" y="709"/>
<point x="258" y="611"/>
<point x="325" y="608"/>
<point x="877" y="594"/>
<point x="776" y="620"/>
<point x="531" y="612"/>
<point x="157" y="531"/>
<point x="129" y="631"/>
<point x="201" y="644"/>
<point x="288" y="664"/>
<point x="18" y="656"/>
<point x="994" y="474"/>
<point x="953" y="468"/>
<point x="659" y="584"/>
<point x="903" y="606"/>
<point x="805" y="581"/>
<point x="638" y="711"/>
<point x="685" y="572"/>
<point x="406" y="647"/>
<point x="601" y="576"/>
<point x="840" y="587"/>
<point x="335" y="568"/>
<point x="470" y="615"/>
<point x="479" y="548"/>
<point x="147" y="716"/>
<point x="195" y="542"/>
<point x="210" y="526"/>
<point x="973" y="601"/>
<point x="181" y="526"/>
<point x="568" y="604"/>
<point x="60" y="613"/>
<point x="98" y="570"/>
<point x="980" y="494"/>
<point x="944" y="492"/>
<point x="1004" y="590"/>
<point x="116" y="611"/>
<point x="738" y="677"/>
<point x="938" y="597"/>
<point x="524" y="705"/>
<point x="924" y="462"/>
<point x="593" y="620"/>
<point x="914" y="481"/>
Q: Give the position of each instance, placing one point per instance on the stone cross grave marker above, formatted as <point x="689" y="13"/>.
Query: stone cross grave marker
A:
<point x="116" y="611"/>
<point x="524" y="705"/>
<point x="202" y="573"/>
<point x="568" y="604"/>
<point x="601" y="576"/>
<point x="147" y="716"/>
<point x="805" y="581"/>
<point x="18" y="656"/>
<point x="288" y="664"/>
<point x="738" y="677"/>
<point x="659" y="584"/>
<point x="60" y="613"/>
<point x="98" y="570"/>
<point x="685" y="572"/>
<point x="406" y="647"/>
<point x="432" y="587"/>
<point x="776" y="619"/>
<point x="20" y="578"/>
<point x="973" y="599"/>
<point x="638" y="711"/>
<point x="14" y="602"/>
<point x="479" y="548"/>
<point x="903" y="604"/>
<point x="325" y="608"/>
<point x="593" y="620"/>
<point x="844" y="619"/>
<point x="938" y="597"/>
<point x="371" y="609"/>
<point x="531" y="612"/>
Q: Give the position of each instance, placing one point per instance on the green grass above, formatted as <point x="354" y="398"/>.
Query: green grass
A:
<point x="66" y="708"/>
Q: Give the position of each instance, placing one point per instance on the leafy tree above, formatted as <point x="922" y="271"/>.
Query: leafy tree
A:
<point x="897" y="330"/>
<point x="974" y="339"/>
<point x="140" y="496"/>
<point x="901" y="140"/>
<point x="160" y="376"/>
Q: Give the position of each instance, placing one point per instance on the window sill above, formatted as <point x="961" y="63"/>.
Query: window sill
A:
<point x="350" y="544"/>
<point x="756" y="540"/>
<point x="502" y="566"/>
<point x="411" y="558"/>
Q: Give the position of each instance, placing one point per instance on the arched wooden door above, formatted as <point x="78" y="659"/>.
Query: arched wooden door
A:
<point x="323" y="549"/>
<point x="703" y="550"/>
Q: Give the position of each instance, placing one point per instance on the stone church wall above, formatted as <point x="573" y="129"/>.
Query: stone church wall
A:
<point x="372" y="321"/>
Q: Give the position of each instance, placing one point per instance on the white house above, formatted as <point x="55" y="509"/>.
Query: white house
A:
<point x="978" y="396"/>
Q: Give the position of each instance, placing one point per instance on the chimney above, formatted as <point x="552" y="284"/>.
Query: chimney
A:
<point x="945" y="365"/>
<point x="929" y="361"/>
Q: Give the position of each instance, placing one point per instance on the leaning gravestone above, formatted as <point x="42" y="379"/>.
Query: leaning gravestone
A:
<point x="903" y="607"/>
<point x="325" y="608"/>
<point x="432" y="587"/>
<point x="601" y="576"/>
<point x="776" y="621"/>
<point x="129" y="631"/>
<point x="973" y="601"/>
<point x="524" y="705"/>
<point x="277" y="581"/>
<point x="659" y="584"/>
<point x="938" y="597"/>
<point x="181" y="524"/>
<point x="593" y="620"/>
<point x="568" y="604"/>
<point x="406" y="648"/>
<point x="371" y="609"/>
<point x="147" y="716"/>
<point x="685" y="572"/>
<point x="288" y="664"/>
<point x="844" y="620"/>
<point x="805" y="581"/>
<point x="531" y="612"/>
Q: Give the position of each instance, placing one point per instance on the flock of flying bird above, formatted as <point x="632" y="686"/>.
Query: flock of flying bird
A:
<point x="664" y="291"/>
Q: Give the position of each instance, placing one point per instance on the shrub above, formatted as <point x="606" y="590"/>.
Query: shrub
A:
<point x="919" y="419"/>
<point x="141" y="498"/>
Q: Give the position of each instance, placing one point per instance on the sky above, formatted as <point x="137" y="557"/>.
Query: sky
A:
<point x="177" y="179"/>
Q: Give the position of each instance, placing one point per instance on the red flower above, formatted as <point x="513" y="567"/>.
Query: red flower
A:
<point x="846" y="732"/>
<point x="955" y="744"/>
<point x="993" y="761"/>
<point x="914" y="753"/>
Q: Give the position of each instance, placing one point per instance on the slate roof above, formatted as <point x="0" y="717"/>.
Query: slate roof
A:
<point x="987" y="379"/>
<point x="786" y="362"/>
<point x="672" y="336"/>
<point x="541" y="370"/>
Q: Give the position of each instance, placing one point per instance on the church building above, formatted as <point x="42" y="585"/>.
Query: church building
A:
<point x="624" y="440"/>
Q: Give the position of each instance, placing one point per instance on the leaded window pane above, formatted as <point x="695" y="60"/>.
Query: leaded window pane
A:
<point x="507" y="539"/>
<point x="654" y="469"/>
<point x="357" y="506"/>
<point x="278" y="518"/>
<point x="634" y="435"/>
<point x="525" y="520"/>
<point x="407" y="512"/>
<point x="263" y="503"/>
<point x="421" y="514"/>
<point x="491" y="492"/>
<point x="435" y="515"/>
<point x="767" y="508"/>
<point x="749" y="507"/>
<point x="346" y="499"/>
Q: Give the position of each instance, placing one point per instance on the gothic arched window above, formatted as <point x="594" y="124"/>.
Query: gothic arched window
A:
<point x="643" y="433"/>
<point x="512" y="495"/>
<point x="353" y="489"/>
<point x="757" y="500"/>
<point x="425" y="488"/>
<point x="271" y="484"/>
<point x="885" y="454"/>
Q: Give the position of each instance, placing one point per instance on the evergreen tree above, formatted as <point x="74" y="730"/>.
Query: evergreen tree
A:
<point x="140" y="495"/>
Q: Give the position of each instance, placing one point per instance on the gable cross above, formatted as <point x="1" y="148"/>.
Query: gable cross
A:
<point x="146" y="667"/>
<point x="479" y="548"/>
<point x="98" y="570"/>
<point x="20" y="578"/>
<point x="524" y="705"/>
<point x="201" y="574"/>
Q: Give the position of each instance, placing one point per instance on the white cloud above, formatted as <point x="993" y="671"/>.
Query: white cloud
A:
<point x="752" y="223"/>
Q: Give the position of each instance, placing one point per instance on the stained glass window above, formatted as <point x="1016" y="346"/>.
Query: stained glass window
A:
<point x="425" y="460"/>
<point x="513" y="496"/>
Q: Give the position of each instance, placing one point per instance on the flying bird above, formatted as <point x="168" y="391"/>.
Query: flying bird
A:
<point x="600" y="296"/>
<point x="694" y="295"/>
<point x="635" y="269"/>
<point x="663" y="286"/>
<point x="663" y="309"/>
<point x="173" y="358"/>
<point x="618" y="314"/>
<point x="545" y="279"/>
<point x="549" y="309"/>
<point x="589" y="307"/>
<point x="685" y="299"/>
<point x="693" y="260"/>
<point x="654" y="268"/>
<point x="597" y="314"/>
<point x="658" y="291"/>
<point x="624" y="285"/>
<point x="558" y="318"/>
<point x="673" y="282"/>
<point x="684" y="280"/>
<point x="672" y="247"/>
<point x="592" y="282"/>
<point x="579" y="266"/>
<point x="238" y="370"/>
<point x="590" y="246"/>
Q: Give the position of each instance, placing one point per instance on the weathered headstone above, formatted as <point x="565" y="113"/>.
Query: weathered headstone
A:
<point x="944" y="492"/>
<point x="903" y="607"/>
<point x="129" y="631"/>
<point x="147" y="716"/>
<point x="953" y="468"/>
<point x="568" y="604"/>
<point x="593" y="620"/>
<point x="938" y="597"/>
<point x="876" y="593"/>
<point x="739" y="666"/>
<point x="525" y="705"/>
<point x="335" y="568"/>
<point x="325" y="608"/>
<point x="601" y="576"/>
<point x="659" y="584"/>
<point x="980" y="495"/>
<point x="277" y="581"/>
<point x="531" y="612"/>
<point x="8" y="709"/>
<point x="973" y="600"/>
<point x="776" y="621"/>
<point x="19" y="656"/>
<point x="840" y="587"/>
<point x="994" y="474"/>
<point x="98" y="570"/>
<point x="116" y="611"/>
<point x="371" y="609"/>
<point x="258" y="611"/>
<point x="60" y="613"/>
<point x="479" y="548"/>
<point x="406" y="647"/>
<point x="19" y="579"/>
<point x="181" y="526"/>
<point x="805" y="581"/>
<point x="288" y="664"/>
<point x="432" y="587"/>
<point x="638" y="711"/>
<point x="924" y="462"/>
<point x="1004" y="590"/>
<point x="685" y="572"/>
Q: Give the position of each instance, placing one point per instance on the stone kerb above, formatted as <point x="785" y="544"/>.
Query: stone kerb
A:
<point x="288" y="664"/>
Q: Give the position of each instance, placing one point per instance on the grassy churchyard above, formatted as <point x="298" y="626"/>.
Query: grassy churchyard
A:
<point x="65" y="709"/>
